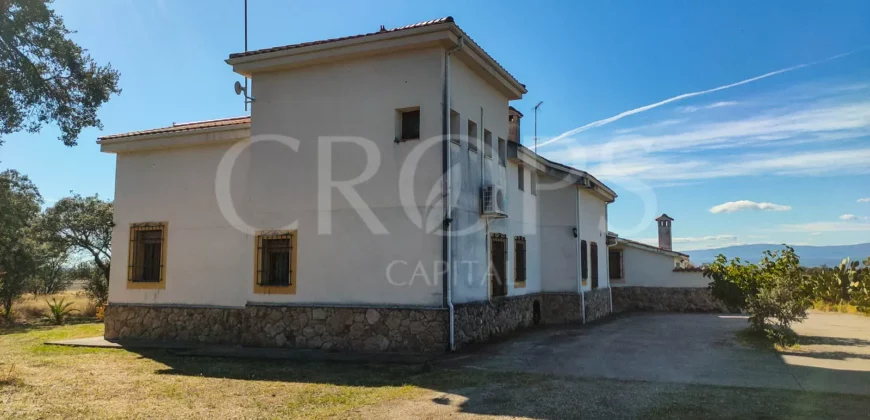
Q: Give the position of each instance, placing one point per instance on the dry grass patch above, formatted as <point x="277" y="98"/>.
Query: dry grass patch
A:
<point x="32" y="308"/>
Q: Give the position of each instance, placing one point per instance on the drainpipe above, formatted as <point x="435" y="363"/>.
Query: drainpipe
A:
<point x="579" y="257"/>
<point x="447" y="185"/>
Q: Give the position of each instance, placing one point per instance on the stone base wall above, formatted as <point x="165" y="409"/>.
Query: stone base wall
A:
<point x="327" y="328"/>
<point x="665" y="299"/>
<point x="562" y="308"/>
<point x="479" y="322"/>
<point x="597" y="304"/>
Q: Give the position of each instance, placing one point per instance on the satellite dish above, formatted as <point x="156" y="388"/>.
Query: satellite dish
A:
<point x="239" y="88"/>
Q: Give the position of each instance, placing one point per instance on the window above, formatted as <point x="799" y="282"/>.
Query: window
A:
<point x="615" y="264"/>
<point x="521" y="178"/>
<point x="584" y="260"/>
<point x="487" y="144"/>
<point x="147" y="256"/>
<point x="472" y="136"/>
<point x="275" y="265"/>
<point x="519" y="261"/>
<point x="455" y="135"/>
<point x="498" y="264"/>
<point x="409" y="124"/>
<point x="502" y="151"/>
<point x="534" y="183"/>
<point x="593" y="248"/>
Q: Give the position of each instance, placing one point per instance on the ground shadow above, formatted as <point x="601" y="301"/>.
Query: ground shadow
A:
<point x="832" y="341"/>
<point x="44" y="324"/>
<point x="830" y="355"/>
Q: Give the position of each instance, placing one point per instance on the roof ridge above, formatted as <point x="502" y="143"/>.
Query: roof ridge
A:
<point x="210" y="121"/>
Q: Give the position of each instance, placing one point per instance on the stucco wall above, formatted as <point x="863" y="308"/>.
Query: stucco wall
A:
<point x="653" y="269"/>
<point x="474" y="99"/>
<point x="211" y="263"/>
<point x="593" y="228"/>
<point x="558" y="245"/>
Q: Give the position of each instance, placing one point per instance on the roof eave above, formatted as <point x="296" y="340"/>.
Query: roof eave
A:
<point x="445" y="35"/>
<point x="562" y="171"/>
<point x="197" y="137"/>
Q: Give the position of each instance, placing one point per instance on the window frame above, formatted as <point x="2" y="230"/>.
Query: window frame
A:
<point x="584" y="261"/>
<point x="593" y="254"/>
<point x="400" y="123"/>
<point x="472" y="135"/>
<point x="502" y="288"/>
<point x="502" y="152"/>
<point x="621" y="255"/>
<point x="271" y="289"/>
<point x="520" y="262"/>
<point x="132" y="283"/>
<point x="487" y="144"/>
<point x="455" y="124"/>
<point x="521" y="178"/>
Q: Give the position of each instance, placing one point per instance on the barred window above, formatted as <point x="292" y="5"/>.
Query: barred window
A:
<point x="498" y="264"/>
<point x="276" y="262"/>
<point x="519" y="261"/>
<point x="615" y="264"/>
<point x="147" y="255"/>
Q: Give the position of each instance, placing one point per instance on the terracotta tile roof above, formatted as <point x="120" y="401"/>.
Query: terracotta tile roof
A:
<point x="190" y="126"/>
<point x="326" y="41"/>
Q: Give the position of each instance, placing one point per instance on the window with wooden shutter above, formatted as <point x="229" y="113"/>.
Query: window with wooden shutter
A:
<point x="615" y="264"/>
<point x="275" y="264"/>
<point x="146" y="266"/>
<point x="519" y="261"/>
<point x="593" y="249"/>
<point x="498" y="264"/>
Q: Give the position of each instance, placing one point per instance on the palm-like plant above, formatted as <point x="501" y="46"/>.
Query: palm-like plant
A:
<point x="60" y="310"/>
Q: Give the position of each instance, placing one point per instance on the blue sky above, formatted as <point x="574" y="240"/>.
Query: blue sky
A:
<point x="796" y="145"/>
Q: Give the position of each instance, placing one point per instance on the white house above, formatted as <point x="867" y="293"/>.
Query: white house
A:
<point x="657" y="278"/>
<point x="376" y="199"/>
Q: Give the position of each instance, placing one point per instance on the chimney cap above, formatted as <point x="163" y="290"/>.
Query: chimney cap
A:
<point x="515" y="111"/>
<point x="664" y="216"/>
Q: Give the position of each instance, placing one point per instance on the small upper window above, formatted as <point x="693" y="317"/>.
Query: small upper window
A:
<point x="502" y="151"/>
<point x="455" y="134"/>
<point x="472" y="136"/>
<point x="410" y="125"/>
<point x="521" y="178"/>
<point x="487" y="144"/>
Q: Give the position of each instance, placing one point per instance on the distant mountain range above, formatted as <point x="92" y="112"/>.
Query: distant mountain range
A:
<point x="811" y="256"/>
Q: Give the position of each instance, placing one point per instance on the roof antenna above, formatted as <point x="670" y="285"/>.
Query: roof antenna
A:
<point x="383" y="29"/>
<point x="536" y="125"/>
<point x="248" y="99"/>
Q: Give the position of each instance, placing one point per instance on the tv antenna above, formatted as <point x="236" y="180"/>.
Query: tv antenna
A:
<point x="238" y="86"/>
<point x="536" y="124"/>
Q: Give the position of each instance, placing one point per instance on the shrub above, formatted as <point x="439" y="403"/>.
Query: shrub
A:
<point x="776" y="292"/>
<point x="60" y="310"/>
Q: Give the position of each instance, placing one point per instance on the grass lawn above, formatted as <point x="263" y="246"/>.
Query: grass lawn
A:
<point x="39" y="381"/>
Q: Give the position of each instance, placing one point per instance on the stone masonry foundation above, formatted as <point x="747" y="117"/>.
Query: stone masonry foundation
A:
<point x="597" y="304"/>
<point x="665" y="299"/>
<point x="327" y="328"/>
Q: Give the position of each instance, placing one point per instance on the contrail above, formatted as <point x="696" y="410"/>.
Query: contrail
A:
<point x="645" y="108"/>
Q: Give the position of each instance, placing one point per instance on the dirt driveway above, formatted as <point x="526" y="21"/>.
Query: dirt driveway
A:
<point x="834" y="354"/>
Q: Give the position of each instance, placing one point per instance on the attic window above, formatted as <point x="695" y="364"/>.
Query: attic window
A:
<point x="409" y="124"/>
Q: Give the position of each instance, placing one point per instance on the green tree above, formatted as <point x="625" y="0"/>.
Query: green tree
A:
<point x="776" y="292"/>
<point x="81" y="224"/>
<point x="45" y="77"/>
<point x="52" y="274"/>
<point x="19" y="208"/>
<point x="96" y="284"/>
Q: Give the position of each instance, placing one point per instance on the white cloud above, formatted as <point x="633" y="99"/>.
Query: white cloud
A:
<point x="709" y="106"/>
<point x="815" y="233"/>
<point x="864" y="200"/>
<point x="848" y="217"/>
<point x="645" y="108"/>
<point x="733" y="206"/>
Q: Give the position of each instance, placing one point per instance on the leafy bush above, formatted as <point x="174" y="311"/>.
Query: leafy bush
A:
<point x="776" y="292"/>
<point x="60" y="310"/>
<point x="96" y="285"/>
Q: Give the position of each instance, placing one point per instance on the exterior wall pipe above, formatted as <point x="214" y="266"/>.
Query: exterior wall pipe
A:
<point x="579" y="257"/>
<point x="447" y="186"/>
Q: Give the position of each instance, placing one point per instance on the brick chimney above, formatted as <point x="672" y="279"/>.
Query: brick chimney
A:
<point x="665" y="239"/>
<point x="514" y="124"/>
